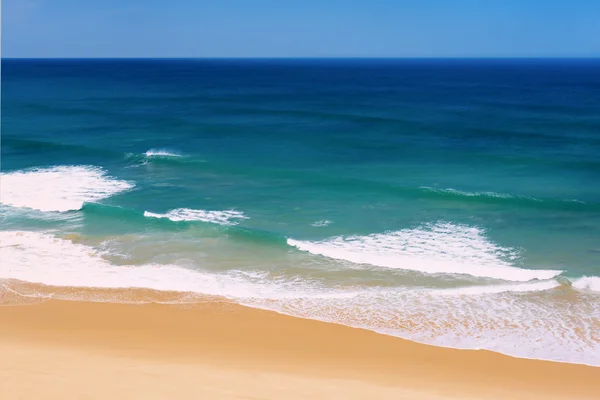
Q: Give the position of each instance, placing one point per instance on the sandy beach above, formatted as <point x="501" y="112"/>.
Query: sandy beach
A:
<point x="215" y="349"/>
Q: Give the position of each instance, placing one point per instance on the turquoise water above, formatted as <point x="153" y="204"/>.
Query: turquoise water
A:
<point x="450" y="202"/>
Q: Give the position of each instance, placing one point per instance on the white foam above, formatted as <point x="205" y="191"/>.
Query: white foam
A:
<point x="588" y="283"/>
<point x="532" y="325"/>
<point x="187" y="214"/>
<point x="60" y="188"/>
<point x="161" y="153"/>
<point x="440" y="248"/>
<point x="321" y="223"/>
<point x="471" y="194"/>
<point x="495" y="289"/>
<point x="43" y="258"/>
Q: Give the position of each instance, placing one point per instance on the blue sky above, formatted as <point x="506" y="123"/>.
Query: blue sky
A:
<point x="309" y="28"/>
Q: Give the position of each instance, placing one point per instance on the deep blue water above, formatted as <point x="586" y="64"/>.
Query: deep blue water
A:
<point x="294" y="184"/>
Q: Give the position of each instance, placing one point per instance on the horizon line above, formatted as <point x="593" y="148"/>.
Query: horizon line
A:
<point x="316" y="58"/>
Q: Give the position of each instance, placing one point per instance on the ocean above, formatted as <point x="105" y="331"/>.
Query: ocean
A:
<point x="449" y="202"/>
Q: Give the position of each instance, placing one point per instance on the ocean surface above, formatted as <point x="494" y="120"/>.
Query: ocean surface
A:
<point x="450" y="202"/>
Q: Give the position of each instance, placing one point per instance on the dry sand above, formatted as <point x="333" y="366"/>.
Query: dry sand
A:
<point x="218" y="350"/>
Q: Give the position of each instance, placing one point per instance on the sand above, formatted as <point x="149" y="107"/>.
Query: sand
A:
<point x="215" y="349"/>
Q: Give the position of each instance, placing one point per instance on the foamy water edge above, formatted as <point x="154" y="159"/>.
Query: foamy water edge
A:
<point x="46" y="259"/>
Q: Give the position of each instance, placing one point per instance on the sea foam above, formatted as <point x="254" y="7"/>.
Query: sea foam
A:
<point x="472" y="194"/>
<point x="61" y="188"/>
<point x="434" y="249"/>
<point x="161" y="153"/>
<point x="321" y="223"/>
<point x="42" y="257"/>
<point x="488" y="317"/>
<point x="588" y="283"/>
<point x="227" y="217"/>
<point x="495" y="289"/>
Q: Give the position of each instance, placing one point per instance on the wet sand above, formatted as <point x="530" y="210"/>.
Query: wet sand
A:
<point x="215" y="349"/>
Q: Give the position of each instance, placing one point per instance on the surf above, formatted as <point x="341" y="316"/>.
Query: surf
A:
<point x="481" y="316"/>
<point x="227" y="217"/>
<point x="441" y="248"/>
<point x="59" y="188"/>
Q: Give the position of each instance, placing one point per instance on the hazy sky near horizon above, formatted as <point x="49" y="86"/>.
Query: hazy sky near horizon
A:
<point x="309" y="28"/>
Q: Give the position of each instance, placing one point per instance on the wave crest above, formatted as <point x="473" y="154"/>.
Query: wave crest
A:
<point x="186" y="214"/>
<point x="588" y="283"/>
<point x="321" y="223"/>
<point x="440" y="248"/>
<point x="161" y="153"/>
<point x="60" y="188"/>
<point x="478" y="317"/>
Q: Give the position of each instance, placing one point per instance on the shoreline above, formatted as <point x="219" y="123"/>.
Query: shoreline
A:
<point x="214" y="336"/>
<point x="24" y="292"/>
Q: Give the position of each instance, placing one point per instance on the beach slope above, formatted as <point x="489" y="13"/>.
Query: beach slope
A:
<point x="219" y="350"/>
